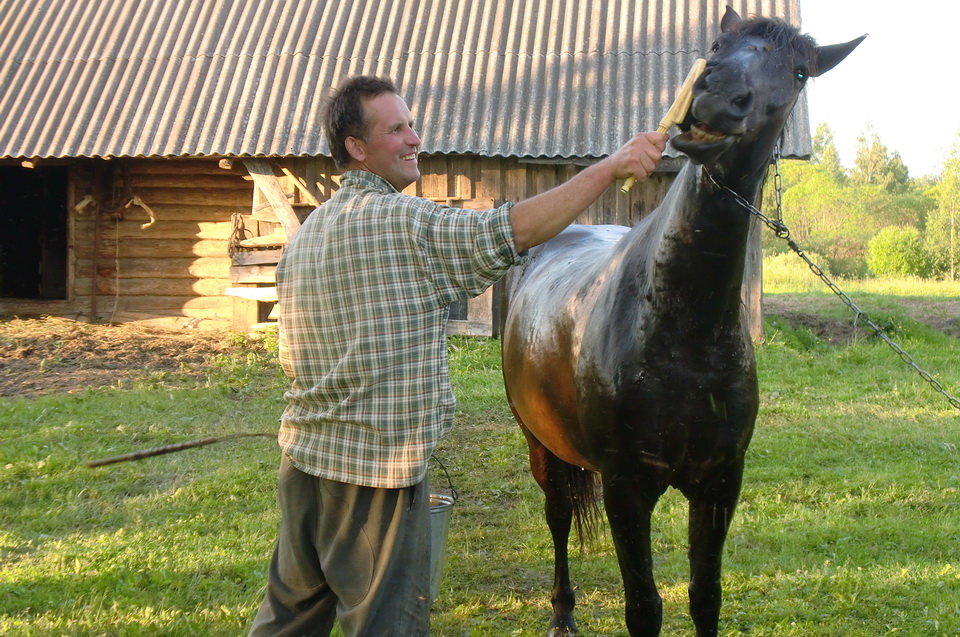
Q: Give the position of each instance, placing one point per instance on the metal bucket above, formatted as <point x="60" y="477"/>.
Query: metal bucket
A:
<point x="441" y="507"/>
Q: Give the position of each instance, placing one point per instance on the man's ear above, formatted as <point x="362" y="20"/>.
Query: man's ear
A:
<point x="355" y="148"/>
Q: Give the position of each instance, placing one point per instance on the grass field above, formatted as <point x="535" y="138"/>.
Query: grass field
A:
<point x="849" y="522"/>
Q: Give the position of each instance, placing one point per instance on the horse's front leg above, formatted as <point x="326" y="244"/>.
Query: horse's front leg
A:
<point x="549" y="472"/>
<point x="629" y="503"/>
<point x="710" y="515"/>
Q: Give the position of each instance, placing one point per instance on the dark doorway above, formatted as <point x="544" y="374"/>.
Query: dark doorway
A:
<point x="33" y="244"/>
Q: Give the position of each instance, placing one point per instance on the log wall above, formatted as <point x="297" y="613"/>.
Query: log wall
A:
<point x="171" y="272"/>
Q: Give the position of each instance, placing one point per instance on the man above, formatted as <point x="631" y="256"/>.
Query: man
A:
<point x="364" y="288"/>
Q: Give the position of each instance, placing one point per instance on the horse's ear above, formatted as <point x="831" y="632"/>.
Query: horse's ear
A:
<point x="729" y="20"/>
<point x="832" y="55"/>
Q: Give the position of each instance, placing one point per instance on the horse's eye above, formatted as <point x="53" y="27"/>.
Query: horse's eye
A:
<point x="800" y="74"/>
<point x="715" y="47"/>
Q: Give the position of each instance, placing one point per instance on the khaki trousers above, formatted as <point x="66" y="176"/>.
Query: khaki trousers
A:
<point x="357" y="554"/>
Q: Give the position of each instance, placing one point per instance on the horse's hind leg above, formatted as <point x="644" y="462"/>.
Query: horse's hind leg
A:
<point x="549" y="472"/>
<point x="710" y="516"/>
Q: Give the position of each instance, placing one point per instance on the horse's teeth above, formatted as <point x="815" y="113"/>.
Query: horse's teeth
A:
<point x="703" y="136"/>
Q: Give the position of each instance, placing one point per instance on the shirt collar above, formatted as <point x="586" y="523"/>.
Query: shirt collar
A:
<point x="366" y="179"/>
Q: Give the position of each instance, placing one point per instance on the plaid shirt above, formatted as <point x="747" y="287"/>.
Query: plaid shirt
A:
<point x="363" y="290"/>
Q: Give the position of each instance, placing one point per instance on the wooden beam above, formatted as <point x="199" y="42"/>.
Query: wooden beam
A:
<point x="278" y="238"/>
<point x="253" y="274"/>
<point x="158" y="267"/>
<point x="153" y="287"/>
<point x="244" y="314"/>
<point x="269" y="185"/>
<point x="266" y="295"/>
<point x="468" y="328"/>
<point x="255" y="257"/>
<point x="190" y="167"/>
<point x="205" y="183"/>
<point x="301" y="185"/>
<point x="204" y="194"/>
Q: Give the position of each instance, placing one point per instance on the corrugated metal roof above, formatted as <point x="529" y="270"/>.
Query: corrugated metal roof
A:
<point x="527" y="78"/>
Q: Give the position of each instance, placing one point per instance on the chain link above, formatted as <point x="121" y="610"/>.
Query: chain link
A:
<point x="782" y="231"/>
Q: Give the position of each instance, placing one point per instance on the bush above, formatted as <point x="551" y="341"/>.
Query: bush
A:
<point x="898" y="251"/>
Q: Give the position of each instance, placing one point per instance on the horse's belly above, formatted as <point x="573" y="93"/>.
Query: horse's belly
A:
<point x="551" y="424"/>
<point x="538" y="370"/>
<point x="543" y="333"/>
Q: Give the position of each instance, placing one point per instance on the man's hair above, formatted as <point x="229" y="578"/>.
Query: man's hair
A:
<point x="344" y="115"/>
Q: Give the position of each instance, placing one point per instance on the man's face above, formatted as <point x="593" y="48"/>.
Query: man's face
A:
<point x="392" y="144"/>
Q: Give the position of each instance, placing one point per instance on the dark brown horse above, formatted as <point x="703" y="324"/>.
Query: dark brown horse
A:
<point x="625" y="353"/>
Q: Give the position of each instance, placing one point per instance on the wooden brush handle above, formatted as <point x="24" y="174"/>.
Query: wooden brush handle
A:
<point x="678" y="110"/>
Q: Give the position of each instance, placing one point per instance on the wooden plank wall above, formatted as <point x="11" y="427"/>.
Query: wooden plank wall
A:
<point x="512" y="179"/>
<point x="175" y="270"/>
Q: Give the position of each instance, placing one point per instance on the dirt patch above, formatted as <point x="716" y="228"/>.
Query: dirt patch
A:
<point x="52" y="355"/>
<point x="804" y="313"/>
<point x="940" y="315"/>
<point x="815" y="315"/>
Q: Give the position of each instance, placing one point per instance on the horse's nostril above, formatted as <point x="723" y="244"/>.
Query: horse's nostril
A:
<point x="743" y="102"/>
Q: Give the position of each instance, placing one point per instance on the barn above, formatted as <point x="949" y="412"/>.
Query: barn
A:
<point x="155" y="155"/>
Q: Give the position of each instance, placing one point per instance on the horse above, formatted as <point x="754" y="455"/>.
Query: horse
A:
<point x="626" y="358"/>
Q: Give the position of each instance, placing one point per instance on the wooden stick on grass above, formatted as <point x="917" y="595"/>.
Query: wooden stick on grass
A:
<point x="179" y="446"/>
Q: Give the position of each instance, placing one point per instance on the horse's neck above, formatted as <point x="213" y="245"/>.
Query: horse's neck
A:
<point x="692" y="252"/>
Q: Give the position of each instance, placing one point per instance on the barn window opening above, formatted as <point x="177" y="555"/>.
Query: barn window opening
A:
<point x="33" y="246"/>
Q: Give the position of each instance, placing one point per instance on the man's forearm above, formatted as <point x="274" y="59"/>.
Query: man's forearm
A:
<point x="537" y="219"/>
<point x="541" y="217"/>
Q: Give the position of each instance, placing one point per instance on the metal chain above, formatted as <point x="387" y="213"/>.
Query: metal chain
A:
<point x="781" y="230"/>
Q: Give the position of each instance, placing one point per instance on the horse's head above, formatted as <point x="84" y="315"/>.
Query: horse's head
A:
<point x="750" y="85"/>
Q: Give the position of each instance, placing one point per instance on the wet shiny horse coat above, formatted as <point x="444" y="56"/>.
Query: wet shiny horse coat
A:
<point x="625" y="353"/>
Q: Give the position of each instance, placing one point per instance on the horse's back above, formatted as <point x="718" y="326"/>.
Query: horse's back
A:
<point x="577" y="239"/>
<point x="566" y="256"/>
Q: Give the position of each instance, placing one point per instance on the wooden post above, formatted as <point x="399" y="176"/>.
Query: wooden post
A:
<point x="269" y="185"/>
<point x="301" y="185"/>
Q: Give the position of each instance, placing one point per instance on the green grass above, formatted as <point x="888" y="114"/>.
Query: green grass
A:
<point x="787" y="272"/>
<point x="849" y="522"/>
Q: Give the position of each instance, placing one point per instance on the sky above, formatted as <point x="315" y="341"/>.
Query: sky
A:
<point x="901" y="82"/>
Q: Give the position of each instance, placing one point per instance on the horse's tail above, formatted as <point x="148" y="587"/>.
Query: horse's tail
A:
<point x="584" y="489"/>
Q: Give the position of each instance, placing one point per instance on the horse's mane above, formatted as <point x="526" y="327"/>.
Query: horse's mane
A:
<point x="781" y="34"/>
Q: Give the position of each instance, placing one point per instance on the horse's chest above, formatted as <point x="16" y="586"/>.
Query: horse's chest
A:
<point x="686" y="411"/>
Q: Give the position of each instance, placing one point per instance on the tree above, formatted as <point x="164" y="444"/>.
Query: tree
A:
<point x="819" y="209"/>
<point x="825" y="152"/>
<point x="836" y="216"/>
<point x="875" y="166"/>
<point x="797" y="215"/>
<point x="898" y="177"/>
<point x="941" y="232"/>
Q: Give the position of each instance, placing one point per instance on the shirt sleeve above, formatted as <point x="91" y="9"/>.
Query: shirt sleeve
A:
<point x="464" y="251"/>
